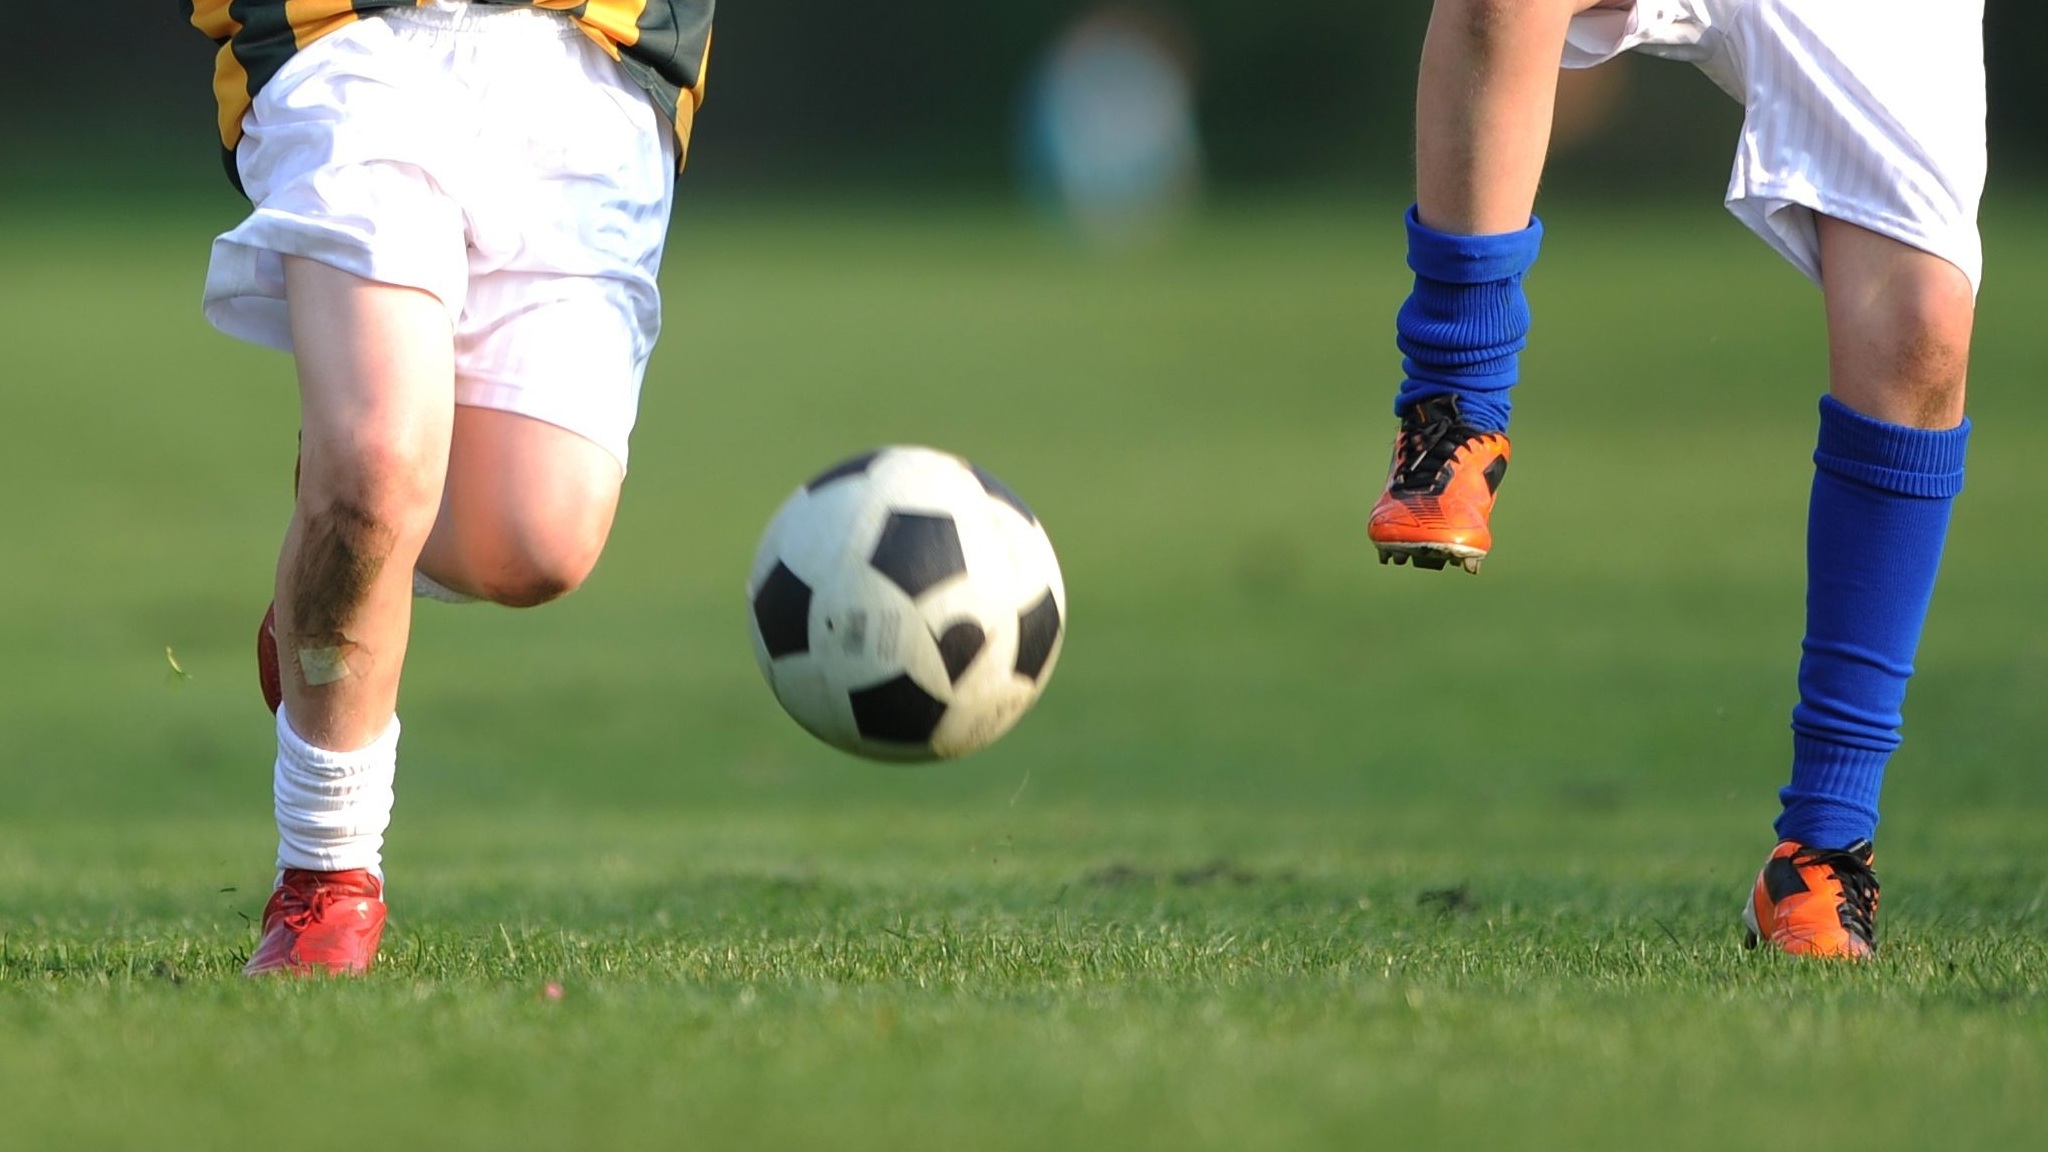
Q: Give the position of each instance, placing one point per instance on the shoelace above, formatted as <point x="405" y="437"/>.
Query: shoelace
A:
<point x="312" y="905"/>
<point x="1428" y="447"/>
<point x="1858" y="907"/>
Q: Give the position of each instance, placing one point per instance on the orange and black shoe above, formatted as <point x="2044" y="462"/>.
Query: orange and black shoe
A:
<point x="320" y="923"/>
<point x="1440" y="489"/>
<point x="1815" y="902"/>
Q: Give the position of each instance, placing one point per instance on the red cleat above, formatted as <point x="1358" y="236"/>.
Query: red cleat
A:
<point x="268" y="678"/>
<point x="320" y="923"/>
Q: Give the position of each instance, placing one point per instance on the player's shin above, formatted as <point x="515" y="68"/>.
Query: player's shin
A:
<point x="1879" y="517"/>
<point x="1466" y="319"/>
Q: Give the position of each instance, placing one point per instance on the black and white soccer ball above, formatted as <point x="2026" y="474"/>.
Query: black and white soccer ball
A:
<point x="906" y="605"/>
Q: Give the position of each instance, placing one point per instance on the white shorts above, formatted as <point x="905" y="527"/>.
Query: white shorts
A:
<point x="1869" y="111"/>
<point x="497" y="159"/>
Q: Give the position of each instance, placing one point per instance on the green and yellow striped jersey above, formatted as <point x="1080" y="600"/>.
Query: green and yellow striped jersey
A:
<point x="662" y="45"/>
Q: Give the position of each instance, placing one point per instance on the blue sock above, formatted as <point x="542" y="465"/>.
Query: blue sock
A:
<point x="1466" y="319"/>
<point x="1881" y="497"/>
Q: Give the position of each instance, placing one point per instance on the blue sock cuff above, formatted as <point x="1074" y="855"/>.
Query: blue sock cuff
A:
<point x="1893" y="458"/>
<point x="1471" y="259"/>
<point x="1832" y="799"/>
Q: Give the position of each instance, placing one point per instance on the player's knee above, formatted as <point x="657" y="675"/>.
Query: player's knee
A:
<point x="1486" y="21"/>
<point x="529" y="578"/>
<point x="522" y="546"/>
<point x="525" y="563"/>
<point x="1931" y="321"/>
<point x="393" y="483"/>
<point x="529" y="589"/>
<point x="1920" y="341"/>
<point x="358" y="507"/>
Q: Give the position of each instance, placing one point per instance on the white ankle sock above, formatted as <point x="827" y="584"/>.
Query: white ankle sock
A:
<point x="425" y="587"/>
<point x="333" y="807"/>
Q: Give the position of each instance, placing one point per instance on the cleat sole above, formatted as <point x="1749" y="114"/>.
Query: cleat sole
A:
<point x="1434" y="557"/>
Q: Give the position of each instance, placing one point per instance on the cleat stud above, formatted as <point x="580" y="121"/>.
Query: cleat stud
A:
<point x="1385" y="556"/>
<point x="1471" y="564"/>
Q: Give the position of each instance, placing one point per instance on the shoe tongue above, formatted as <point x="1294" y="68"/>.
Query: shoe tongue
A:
<point x="1443" y="407"/>
<point x="350" y="882"/>
<point x="1862" y="849"/>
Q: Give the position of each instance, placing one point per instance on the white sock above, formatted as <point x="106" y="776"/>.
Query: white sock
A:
<point x="333" y="807"/>
<point x="425" y="587"/>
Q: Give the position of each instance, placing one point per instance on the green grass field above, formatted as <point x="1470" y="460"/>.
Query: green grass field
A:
<point x="1297" y="852"/>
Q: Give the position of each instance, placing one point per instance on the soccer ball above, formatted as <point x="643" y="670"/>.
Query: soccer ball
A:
<point x="906" y="605"/>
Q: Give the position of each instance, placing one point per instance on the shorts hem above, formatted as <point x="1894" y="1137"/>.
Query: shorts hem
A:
<point x="505" y="396"/>
<point x="1764" y="208"/>
<point x="244" y="295"/>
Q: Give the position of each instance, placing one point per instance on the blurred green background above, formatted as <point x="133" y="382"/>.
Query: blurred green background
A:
<point x="920" y="95"/>
<point x="853" y="262"/>
<point x="1295" y="848"/>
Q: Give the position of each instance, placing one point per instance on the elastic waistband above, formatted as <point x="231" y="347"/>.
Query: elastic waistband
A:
<point x="463" y="16"/>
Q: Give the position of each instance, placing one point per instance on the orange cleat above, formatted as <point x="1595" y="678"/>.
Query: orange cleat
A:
<point x="320" y="923"/>
<point x="1815" y="902"/>
<point x="1440" y="489"/>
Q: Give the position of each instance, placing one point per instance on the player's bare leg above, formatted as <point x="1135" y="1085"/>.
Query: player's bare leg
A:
<point x="1899" y="324"/>
<point x="1483" y="108"/>
<point x="1888" y="466"/>
<point x="376" y="387"/>
<point x="526" y="511"/>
